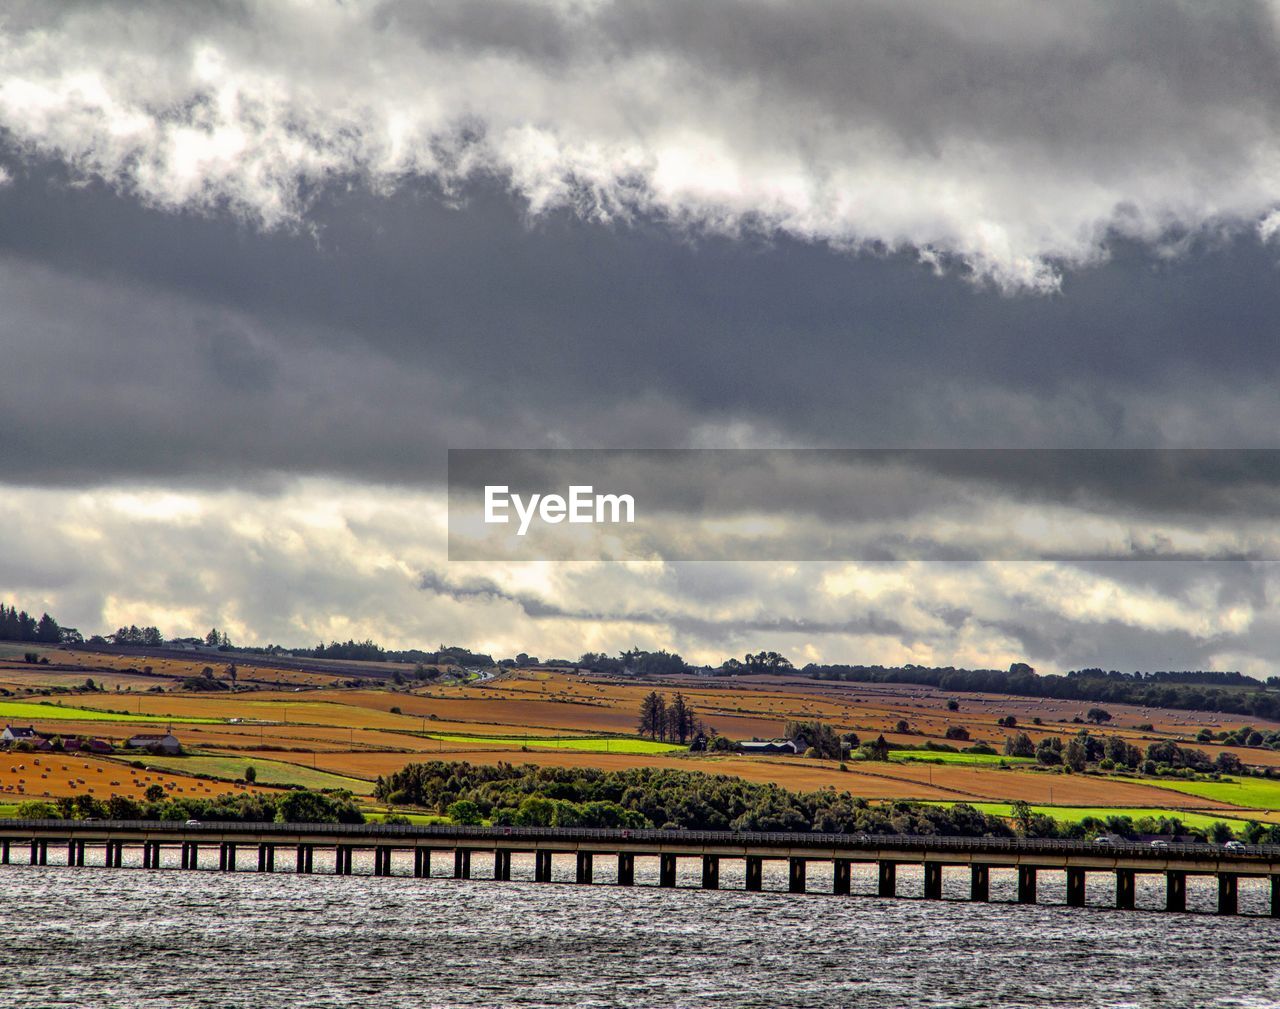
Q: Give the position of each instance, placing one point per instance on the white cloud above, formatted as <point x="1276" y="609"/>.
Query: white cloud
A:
<point x="1014" y="137"/>
<point x="324" y="559"/>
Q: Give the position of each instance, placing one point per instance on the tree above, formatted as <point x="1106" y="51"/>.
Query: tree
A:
<point x="47" y="630"/>
<point x="251" y="774"/>
<point x="213" y="639"/>
<point x="1075" y="755"/>
<point x="1019" y="745"/>
<point x="1022" y="816"/>
<point x="301" y="806"/>
<point x="37" y="809"/>
<point x="1220" y="833"/>
<point x="465" y="812"/>
<point x="1098" y="715"/>
<point x="958" y="732"/>
<point x="680" y="719"/>
<point x="653" y="715"/>
<point x="155" y="793"/>
<point x="953" y="705"/>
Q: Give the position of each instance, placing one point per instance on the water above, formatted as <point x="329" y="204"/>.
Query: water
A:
<point x="134" y="938"/>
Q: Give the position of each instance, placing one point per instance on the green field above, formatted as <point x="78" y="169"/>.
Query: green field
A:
<point x="417" y="819"/>
<point x="583" y="744"/>
<point x="29" y="711"/>
<point x="1074" y="814"/>
<point x="944" y="757"/>
<point x="270" y="772"/>
<point x="1254" y="793"/>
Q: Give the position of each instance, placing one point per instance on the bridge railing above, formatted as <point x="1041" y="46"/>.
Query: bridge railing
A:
<point x="851" y="842"/>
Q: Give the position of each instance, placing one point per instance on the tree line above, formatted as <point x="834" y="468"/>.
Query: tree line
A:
<point x="293" y="806"/>
<point x="643" y="797"/>
<point x="1022" y="680"/>
<point x="19" y="625"/>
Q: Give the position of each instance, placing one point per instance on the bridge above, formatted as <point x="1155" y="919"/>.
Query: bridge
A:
<point x="28" y="842"/>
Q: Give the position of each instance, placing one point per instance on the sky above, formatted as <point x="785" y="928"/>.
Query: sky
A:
<point x="263" y="264"/>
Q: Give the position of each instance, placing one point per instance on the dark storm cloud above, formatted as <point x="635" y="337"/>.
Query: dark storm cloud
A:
<point x="403" y="325"/>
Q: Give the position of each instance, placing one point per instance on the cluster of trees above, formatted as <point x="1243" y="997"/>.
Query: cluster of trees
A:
<point x="149" y="637"/>
<point x="756" y="662"/>
<point x="1112" y="752"/>
<point x="504" y="794"/>
<point x="1212" y="692"/>
<point x="1032" y="824"/>
<point x="445" y="655"/>
<point x="354" y="651"/>
<point x="217" y="639"/>
<point x="207" y="682"/>
<point x="1246" y="735"/>
<point x="295" y="806"/>
<point x="652" y="797"/>
<point x="19" y="625"/>
<point x="1212" y="677"/>
<point x="635" y="662"/>
<point x="676" y="722"/>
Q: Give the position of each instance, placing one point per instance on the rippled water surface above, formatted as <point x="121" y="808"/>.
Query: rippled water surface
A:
<point x="129" y="937"/>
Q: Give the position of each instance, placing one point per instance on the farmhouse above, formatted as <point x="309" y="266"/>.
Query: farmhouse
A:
<point x="155" y="742"/>
<point x="761" y="746"/>
<point x="17" y="734"/>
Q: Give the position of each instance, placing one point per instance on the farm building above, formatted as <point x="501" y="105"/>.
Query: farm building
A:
<point x="17" y="734"/>
<point x="763" y="746"/>
<point x="155" y="742"/>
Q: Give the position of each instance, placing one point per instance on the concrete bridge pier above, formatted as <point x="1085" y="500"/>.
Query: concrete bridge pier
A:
<point x="422" y="863"/>
<point x="115" y="854"/>
<point x="887" y="879"/>
<point x="933" y="880"/>
<point x="795" y="875"/>
<point x="4" y="853"/>
<point x="1026" y="884"/>
<point x="75" y="853"/>
<point x="342" y="860"/>
<point x="266" y="857"/>
<point x="1126" y="889"/>
<point x="227" y="856"/>
<point x="1175" y="891"/>
<point x="150" y="855"/>
<point x="1228" y="896"/>
<point x="710" y="872"/>
<point x="755" y="873"/>
<point x="461" y="863"/>
<point x="382" y="861"/>
<point x="626" y="869"/>
<point x="1075" y="887"/>
<point x="584" y="867"/>
<point x="39" y="852"/>
<point x="502" y="866"/>
<point x="1275" y="896"/>
<point x="842" y="877"/>
<point x="667" y="870"/>
<point x="542" y="867"/>
<point x="189" y="855"/>
<point x="304" y="859"/>
<point x="980" y="883"/>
